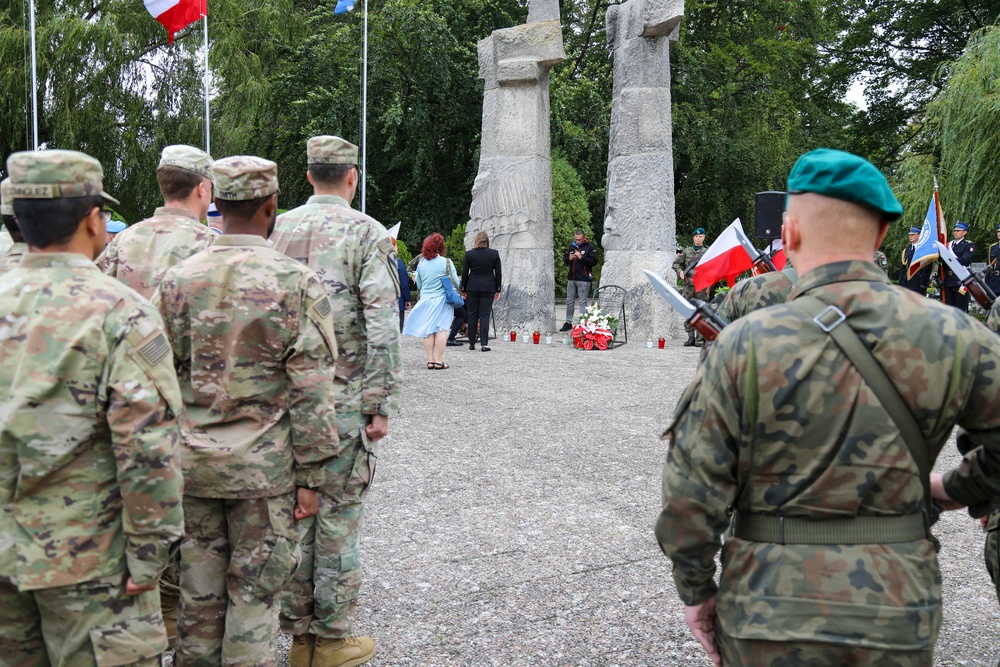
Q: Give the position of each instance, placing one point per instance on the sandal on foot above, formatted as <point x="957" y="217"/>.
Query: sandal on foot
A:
<point x="441" y="366"/>
<point x="431" y="366"/>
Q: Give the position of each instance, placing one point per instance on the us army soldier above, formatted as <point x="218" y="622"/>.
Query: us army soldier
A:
<point x="684" y="268"/>
<point x="831" y="561"/>
<point x="354" y="256"/>
<point x="90" y="486"/>
<point x="140" y="255"/>
<point x="13" y="255"/>
<point x="254" y="343"/>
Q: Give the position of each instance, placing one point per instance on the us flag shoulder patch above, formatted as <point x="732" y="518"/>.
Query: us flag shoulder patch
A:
<point x="155" y="349"/>
<point x="323" y="307"/>
<point x="385" y="245"/>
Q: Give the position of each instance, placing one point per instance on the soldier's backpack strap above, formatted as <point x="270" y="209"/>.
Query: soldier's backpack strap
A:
<point x="829" y="319"/>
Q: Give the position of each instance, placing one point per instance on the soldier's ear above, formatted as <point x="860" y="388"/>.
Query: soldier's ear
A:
<point x="883" y="229"/>
<point x="309" y="177"/>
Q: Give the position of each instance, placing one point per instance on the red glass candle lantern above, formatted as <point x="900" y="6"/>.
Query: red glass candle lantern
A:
<point x="661" y="343"/>
<point x="513" y="336"/>
<point x="535" y="337"/>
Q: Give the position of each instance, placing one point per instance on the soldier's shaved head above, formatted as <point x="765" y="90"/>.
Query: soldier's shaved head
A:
<point x="820" y="230"/>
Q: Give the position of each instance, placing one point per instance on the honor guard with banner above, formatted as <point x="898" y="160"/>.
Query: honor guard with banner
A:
<point x="811" y="429"/>
<point x="922" y="278"/>
<point x="954" y="295"/>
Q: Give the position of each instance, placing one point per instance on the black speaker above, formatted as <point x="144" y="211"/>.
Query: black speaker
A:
<point x="767" y="209"/>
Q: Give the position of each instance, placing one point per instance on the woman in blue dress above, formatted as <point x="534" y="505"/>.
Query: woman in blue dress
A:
<point x="431" y="318"/>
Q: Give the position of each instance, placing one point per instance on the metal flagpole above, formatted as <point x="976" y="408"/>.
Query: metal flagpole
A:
<point x="34" y="82"/>
<point x="364" y="114"/>
<point x="208" y="135"/>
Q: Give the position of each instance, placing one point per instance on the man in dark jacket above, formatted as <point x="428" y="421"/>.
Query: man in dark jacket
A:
<point x="918" y="283"/>
<point x="963" y="249"/>
<point x="581" y="256"/>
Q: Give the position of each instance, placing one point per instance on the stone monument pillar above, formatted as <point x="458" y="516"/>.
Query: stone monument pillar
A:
<point x="639" y="225"/>
<point x="512" y="195"/>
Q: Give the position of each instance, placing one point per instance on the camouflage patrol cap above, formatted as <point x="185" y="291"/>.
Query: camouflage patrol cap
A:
<point x="6" y="197"/>
<point x="56" y="174"/>
<point x="327" y="149"/>
<point x="187" y="157"/>
<point x="244" y="177"/>
<point x="844" y="176"/>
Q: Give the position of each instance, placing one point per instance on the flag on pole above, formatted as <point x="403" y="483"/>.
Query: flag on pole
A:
<point x="725" y="259"/>
<point x="343" y="6"/>
<point x="778" y="257"/>
<point x="175" y="15"/>
<point x="924" y="252"/>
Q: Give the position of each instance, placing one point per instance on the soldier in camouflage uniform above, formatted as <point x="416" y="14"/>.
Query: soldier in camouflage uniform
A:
<point x="684" y="268"/>
<point x="881" y="261"/>
<point x="354" y="256"/>
<point x="140" y="255"/>
<point x="255" y="347"/>
<point x="759" y="292"/>
<point x="830" y="560"/>
<point x="13" y="255"/>
<point x="89" y="484"/>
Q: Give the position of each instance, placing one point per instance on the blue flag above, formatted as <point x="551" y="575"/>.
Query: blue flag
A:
<point x="924" y="251"/>
<point x="343" y="6"/>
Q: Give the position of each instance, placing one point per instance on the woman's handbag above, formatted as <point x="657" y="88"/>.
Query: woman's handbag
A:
<point x="451" y="294"/>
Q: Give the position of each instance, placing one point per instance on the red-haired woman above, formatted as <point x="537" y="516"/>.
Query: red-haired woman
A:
<point x="431" y="318"/>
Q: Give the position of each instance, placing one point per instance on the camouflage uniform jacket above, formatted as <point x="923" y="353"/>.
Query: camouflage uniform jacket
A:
<point x="254" y="348"/>
<point x="355" y="259"/>
<point x="881" y="261"/>
<point x="993" y="323"/>
<point x="777" y="421"/>
<point x="758" y="292"/>
<point x="686" y="259"/>
<point x="140" y="255"/>
<point x="13" y="256"/>
<point x="89" y="484"/>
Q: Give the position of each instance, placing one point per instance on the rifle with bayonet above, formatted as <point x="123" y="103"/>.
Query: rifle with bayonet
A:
<point x="701" y="316"/>
<point x="972" y="283"/>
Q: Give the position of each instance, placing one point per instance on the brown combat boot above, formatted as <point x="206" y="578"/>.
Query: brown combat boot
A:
<point x="169" y="605"/>
<point x="346" y="652"/>
<point x="301" y="653"/>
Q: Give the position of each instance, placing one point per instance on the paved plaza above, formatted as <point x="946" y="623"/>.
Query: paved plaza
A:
<point x="511" y="520"/>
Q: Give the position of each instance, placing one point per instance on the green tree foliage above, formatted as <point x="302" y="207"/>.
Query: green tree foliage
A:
<point x="454" y="245"/>
<point x="569" y="213"/>
<point x="403" y="252"/>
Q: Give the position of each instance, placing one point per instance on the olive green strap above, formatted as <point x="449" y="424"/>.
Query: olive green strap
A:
<point x="775" y="529"/>
<point x="828" y="318"/>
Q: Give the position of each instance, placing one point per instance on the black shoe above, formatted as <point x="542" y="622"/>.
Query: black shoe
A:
<point x="472" y="346"/>
<point x="566" y="326"/>
<point x="690" y="341"/>
<point x="453" y="343"/>
<point x="484" y="349"/>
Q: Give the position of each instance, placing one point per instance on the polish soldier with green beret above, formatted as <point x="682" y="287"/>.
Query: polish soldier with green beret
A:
<point x="811" y="430"/>
<point x="254" y="343"/>
<point x="12" y="256"/>
<point x="684" y="268"/>
<point x="142" y="253"/>
<point x="90" y="488"/>
<point x="354" y="256"/>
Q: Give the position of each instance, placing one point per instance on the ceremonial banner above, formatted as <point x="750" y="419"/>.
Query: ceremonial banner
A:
<point x="343" y="6"/>
<point x="175" y="15"/>
<point x="932" y="230"/>
<point x="724" y="260"/>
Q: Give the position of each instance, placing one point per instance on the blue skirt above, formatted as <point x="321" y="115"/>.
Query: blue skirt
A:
<point x="429" y="316"/>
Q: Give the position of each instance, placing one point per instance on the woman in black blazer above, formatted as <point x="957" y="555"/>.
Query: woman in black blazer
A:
<point x="481" y="286"/>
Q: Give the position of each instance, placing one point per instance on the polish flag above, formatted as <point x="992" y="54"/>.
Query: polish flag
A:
<point x="175" y="15"/>
<point x="725" y="259"/>
<point x="778" y="254"/>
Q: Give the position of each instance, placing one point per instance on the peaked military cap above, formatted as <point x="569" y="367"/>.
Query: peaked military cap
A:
<point x="961" y="226"/>
<point x="698" y="230"/>
<point x="56" y="174"/>
<point x="6" y="197"/>
<point x="187" y="157"/>
<point x="326" y="149"/>
<point x="914" y="230"/>
<point x="844" y="176"/>
<point x="244" y="177"/>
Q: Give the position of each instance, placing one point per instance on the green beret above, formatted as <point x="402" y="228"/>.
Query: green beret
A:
<point x="6" y="197"/>
<point x="844" y="176"/>
<point x="326" y="149"/>
<point x="187" y="157"/>
<point x="698" y="230"/>
<point x="56" y="174"/>
<point x="244" y="177"/>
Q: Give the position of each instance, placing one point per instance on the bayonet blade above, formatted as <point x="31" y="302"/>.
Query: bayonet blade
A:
<point x="949" y="258"/>
<point x="671" y="295"/>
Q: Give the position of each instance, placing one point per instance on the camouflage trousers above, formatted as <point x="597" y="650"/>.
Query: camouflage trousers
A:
<point x="993" y="558"/>
<point x="236" y="557"/>
<point x="687" y="290"/>
<point x="84" y="625"/>
<point x="758" y="653"/>
<point x="323" y="594"/>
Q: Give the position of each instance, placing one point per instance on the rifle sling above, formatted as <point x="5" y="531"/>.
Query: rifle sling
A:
<point x="862" y="529"/>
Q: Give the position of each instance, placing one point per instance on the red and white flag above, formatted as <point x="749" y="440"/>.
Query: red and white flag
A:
<point x="725" y="259"/>
<point x="175" y="15"/>
<point x="778" y="257"/>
